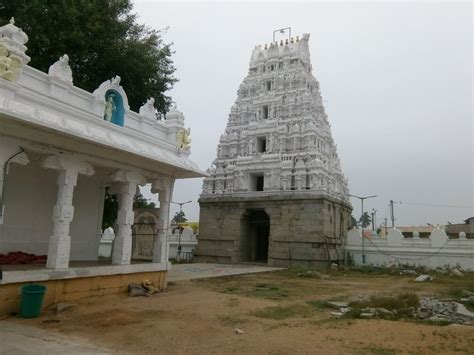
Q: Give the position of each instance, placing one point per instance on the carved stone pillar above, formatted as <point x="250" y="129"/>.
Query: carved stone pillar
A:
<point x="60" y="242"/>
<point x="126" y="188"/>
<point x="164" y="187"/>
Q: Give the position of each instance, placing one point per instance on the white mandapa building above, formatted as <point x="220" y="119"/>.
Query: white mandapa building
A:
<point x="276" y="164"/>
<point x="60" y="147"/>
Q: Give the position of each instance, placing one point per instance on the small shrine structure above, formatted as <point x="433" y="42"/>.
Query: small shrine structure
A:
<point x="60" y="148"/>
<point x="275" y="193"/>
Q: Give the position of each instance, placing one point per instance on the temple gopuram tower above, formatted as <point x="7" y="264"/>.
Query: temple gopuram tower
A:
<point x="276" y="193"/>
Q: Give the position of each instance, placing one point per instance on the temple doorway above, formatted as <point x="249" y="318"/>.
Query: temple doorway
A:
<point x="255" y="236"/>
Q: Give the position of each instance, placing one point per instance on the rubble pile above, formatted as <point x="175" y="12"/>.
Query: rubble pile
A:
<point x="429" y="309"/>
<point x="448" y="311"/>
<point x="146" y="288"/>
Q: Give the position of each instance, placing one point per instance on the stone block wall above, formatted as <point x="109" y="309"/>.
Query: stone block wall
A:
<point x="69" y="290"/>
<point x="304" y="231"/>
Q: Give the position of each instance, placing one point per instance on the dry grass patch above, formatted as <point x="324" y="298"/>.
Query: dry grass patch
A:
<point x="283" y="312"/>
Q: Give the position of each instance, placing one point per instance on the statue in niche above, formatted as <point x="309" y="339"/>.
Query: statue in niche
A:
<point x="182" y="137"/>
<point x="148" y="109"/>
<point x="5" y="64"/>
<point x="219" y="186"/>
<point x="109" y="108"/>
<point x="271" y="141"/>
<point x="274" y="179"/>
<point x="239" y="181"/>
<point x="251" y="142"/>
<point x="61" y="69"/>
<point x="284" y="182"/>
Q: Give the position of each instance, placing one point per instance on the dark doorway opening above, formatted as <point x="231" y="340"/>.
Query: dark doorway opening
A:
<point x="255" y="237"/>
<point x="260" y="183"/>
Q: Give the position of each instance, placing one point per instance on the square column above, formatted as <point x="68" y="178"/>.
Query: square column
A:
<point x="164" y="187"/>
<point x="60" y="242"/>
<point x="127" y="183"/>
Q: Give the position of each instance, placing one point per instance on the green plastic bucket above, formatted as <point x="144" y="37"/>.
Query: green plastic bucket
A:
<point x="31" y="300"/>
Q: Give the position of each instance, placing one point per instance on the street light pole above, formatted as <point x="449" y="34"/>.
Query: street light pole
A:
<point x="178" y="254"/>
<point x="362" y="198"/>
<point x="374" y="222"/>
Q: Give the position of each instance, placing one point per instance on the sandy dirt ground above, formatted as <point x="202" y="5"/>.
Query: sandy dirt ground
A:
<point x="272" y="310"/>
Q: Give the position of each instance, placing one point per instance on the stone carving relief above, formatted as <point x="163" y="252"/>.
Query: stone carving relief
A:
<point x="12" y="51"/>
<point x="148" y="110"/>
<point x="281" y="139"/>
<point x="183" y="140"/>
<point x="5" y="65"/>
<point x="61" y="69"/>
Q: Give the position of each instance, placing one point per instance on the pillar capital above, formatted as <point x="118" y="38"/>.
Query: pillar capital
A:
<point x="163" y="183"/>
<point x="128" y="176"/>
<point x="68" y="163"/>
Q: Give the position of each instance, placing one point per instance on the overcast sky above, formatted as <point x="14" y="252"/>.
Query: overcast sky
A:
<point x="396" y="79"/>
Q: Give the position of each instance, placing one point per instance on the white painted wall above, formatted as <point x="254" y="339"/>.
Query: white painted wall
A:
<point x="86" y="226"/>
<point x="30" y="194"/>
<point x="436" y="251"/>
<point x="29" y="200"/>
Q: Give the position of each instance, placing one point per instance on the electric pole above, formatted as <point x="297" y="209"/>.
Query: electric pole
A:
<point x="178" y="253"/>
<point x="374" y="214"/>
<point x="392" y="214"/>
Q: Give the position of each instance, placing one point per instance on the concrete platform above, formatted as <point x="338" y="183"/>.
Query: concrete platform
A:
<point x="180" y="272"/>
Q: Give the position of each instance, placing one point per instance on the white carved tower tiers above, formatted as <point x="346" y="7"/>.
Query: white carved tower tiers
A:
<point x="278" y="137"/>
<point x="275" y="192"/>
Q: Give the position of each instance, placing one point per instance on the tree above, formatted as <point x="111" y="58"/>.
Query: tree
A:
<point x="111" y="205"/>
<point x="365" y="220"/>
<point x="102" y="39"/>
<point x="141" y="202"/>
<point x="353" y="222"/>
<point x="179" y="217"/>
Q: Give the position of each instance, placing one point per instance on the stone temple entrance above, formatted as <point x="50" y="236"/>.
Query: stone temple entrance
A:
<point x="255" y="235"/>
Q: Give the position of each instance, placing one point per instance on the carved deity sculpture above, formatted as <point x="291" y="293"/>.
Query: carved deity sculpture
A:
<point x="148" y="109"/>
<point x="207" y="187"/>
<point x="274" y="179"/>
<point x="251" y="143"/>
<point x="109" y="108"/>
<point x="183" y="140"/>
<point x="271" y="143"/>
<point x="5" y="64"/>
<point x="61" y="69"/>
<point x="219" y="186"/>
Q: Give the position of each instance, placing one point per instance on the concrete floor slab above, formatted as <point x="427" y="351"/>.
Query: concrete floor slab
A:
<point x="180" y="272"/>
